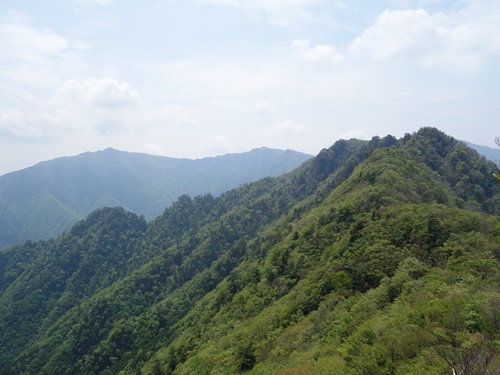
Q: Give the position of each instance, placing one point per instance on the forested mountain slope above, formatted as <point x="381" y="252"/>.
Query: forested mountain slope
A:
<point x="491" y="153"/>
<point x="43" y="201"/>
<point x="371" y="258"/>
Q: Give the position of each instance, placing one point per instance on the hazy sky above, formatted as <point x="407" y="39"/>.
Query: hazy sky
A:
<point x="196" y="78"/>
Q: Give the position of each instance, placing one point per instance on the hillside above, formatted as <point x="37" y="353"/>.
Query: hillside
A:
<point x="43" y="201"/>
<point x="377" y="257"/>
<point x="491" y="153"/>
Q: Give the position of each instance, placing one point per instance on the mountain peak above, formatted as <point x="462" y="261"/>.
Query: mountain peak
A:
<point x="48" y="198"/>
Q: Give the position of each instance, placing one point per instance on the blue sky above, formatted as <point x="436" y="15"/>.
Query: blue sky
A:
<point x="197" y="78"/>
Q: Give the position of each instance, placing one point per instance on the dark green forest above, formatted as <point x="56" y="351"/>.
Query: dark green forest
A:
<point x="377" y="257"/>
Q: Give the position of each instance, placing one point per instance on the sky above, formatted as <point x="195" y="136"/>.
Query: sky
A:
<point x="199" y="78"/>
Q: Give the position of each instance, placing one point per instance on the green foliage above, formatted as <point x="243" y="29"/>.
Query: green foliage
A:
<point x="377" y="257"/>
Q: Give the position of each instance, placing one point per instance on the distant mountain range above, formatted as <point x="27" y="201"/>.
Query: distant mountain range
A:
<point x="490" y="153"/>
<point x="44" y="200"/>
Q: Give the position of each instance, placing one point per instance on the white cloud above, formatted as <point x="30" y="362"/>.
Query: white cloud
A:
<point x="316" y="53"/>
<point x="16" y="125"/>
<point x="175" y="115"/>
<point x="77" y="107"/>
<point x="24" y="44"/>
<point x="396" y="32"/>
<point x="287" y="128"/>
<point x="105" y="93"/>
<point x="224" y="80"/>
<point x="35" y="56"/>
<point x="460" y="41"/>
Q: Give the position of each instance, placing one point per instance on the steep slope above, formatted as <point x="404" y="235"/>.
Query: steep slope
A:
<point x="378" y="278"/>
<point x="370" y="258"/>
<point x="43" y="201"/>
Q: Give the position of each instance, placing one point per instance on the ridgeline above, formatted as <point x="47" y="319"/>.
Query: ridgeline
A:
<point x="45" y="200"/>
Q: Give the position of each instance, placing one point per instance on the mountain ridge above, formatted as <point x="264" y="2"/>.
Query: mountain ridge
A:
<point x="490" y="153"/>
<point x="69" y="188"/>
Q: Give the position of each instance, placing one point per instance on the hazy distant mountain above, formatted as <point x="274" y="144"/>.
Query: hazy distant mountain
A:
<point x="48" y="198"/>
<point x="491" y="153"/>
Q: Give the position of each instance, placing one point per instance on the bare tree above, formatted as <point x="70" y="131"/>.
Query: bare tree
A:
<point x="476" y="356"/>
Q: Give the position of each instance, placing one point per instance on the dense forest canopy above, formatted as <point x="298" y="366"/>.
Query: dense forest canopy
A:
<point x="377" y="257"/>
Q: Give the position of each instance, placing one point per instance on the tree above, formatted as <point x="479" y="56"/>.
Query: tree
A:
<point x="497" y="175"/>
<point x="476" y="356"/>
